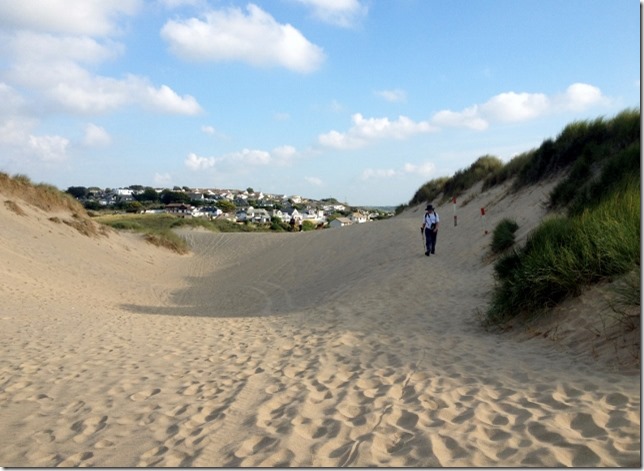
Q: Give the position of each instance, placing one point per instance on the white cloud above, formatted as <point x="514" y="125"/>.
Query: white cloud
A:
<point x="12" y="102"/>
<point x="28" y="47"/>
<point x="78" y="91"/>
<point x="512" y="107"/>
<point x="371" y="174"/>
<point x="15" y="131"/>
<point x="393" y="96"/>
<point x="425" y="170"/>
<point x="54" y="42"/>
<point x="96" y="136"/>
<point x="343" y="13"/>
<point x="49" y="148"/>
<point x="468" y="118"/>
<point x="166" y="100"/>
<point x="366" y="130"/>
<point x="250" y="157"/>
<point x="580" y="96"/>
<point x="194" y="162"/>
<point x="77" y="17"/>
<point x="243" y="160"/>
<point x="19" y="142"/>
<point x="231" y="35"/>
<point x="284" y="154"/>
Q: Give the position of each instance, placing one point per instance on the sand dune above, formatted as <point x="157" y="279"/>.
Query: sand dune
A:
<point x="344" y="347"/>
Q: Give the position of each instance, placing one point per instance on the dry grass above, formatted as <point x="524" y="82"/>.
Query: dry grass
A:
<point x="13" y="206"/>
<point x="49" y="199"/>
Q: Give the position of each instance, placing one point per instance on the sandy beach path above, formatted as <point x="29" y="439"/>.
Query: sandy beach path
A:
<point x="342" y="347"/>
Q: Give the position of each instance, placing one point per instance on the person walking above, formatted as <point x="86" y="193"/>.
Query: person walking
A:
<point x="430" y="225"/>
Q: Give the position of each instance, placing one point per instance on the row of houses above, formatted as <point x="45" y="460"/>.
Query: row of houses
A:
<point x="241" y="199"/>
<point x="264" y="216"/>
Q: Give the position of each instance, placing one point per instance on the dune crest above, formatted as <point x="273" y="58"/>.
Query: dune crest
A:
<point x="343" y="347"/>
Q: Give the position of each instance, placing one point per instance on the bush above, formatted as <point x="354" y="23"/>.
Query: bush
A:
<point x="503" y="235"/>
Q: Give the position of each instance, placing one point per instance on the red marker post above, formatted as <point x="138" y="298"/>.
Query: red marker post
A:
<point x="483" y="220"/>
<point x="454" y="201"/>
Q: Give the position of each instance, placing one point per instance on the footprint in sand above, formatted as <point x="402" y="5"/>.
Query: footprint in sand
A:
<point x="254" y="445"/>
<point x="75" y="408"/>
<point x="17" y="386"/>
<point x="143" y="395"/>
<point x="44" y="436"/>
<point x="76" y="460"/>
<point x="87" y="427"/>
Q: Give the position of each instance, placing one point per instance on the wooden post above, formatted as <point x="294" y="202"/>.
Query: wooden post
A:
<point x="483" y="220"/>
<point x="454" y="201"/>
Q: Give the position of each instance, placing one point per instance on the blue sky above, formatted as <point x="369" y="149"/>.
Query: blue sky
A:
<point x="361" y="100"/>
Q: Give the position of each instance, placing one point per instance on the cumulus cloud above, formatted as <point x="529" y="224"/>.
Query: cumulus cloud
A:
<point x="195" y="162"/>
<point x="75" y="17"/>
<point x="33" y="47"/>
<point x="49" y="148"/>
<point x="344" y="13"/>
<point x="19" y="141"/>
<point x="166" y="100"/>
<point x="580" y="96"/>
<point x="243" y="160"/>
<point x="77" y="90"/>
<point x="254" y="37"/>
<point x="366" y="130"/>
<point x="48" y="47"/>
<point x="511" y="107"/>
<point x="96" y="136"/>
<point x="468" y="118"/>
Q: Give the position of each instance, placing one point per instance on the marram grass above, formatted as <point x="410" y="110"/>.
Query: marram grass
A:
<point x="565" y="254"/>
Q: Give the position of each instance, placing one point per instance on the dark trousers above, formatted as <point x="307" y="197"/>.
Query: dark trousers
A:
<point x="430" y="240"/>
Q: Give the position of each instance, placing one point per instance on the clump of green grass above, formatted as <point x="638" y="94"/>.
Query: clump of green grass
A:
<point x="156" y="229"/>
<point x="565" y="254"/>
<point x="503" y="235"/>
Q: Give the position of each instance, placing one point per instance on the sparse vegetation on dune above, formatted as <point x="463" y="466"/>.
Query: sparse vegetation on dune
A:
<point x="598" y="238"/>
<point x="158" y="228"/>
<point x="41" y="195"/>
<point x="49" y="199"/>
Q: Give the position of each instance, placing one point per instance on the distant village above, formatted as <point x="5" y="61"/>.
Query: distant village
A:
<point x="240" y="206"/>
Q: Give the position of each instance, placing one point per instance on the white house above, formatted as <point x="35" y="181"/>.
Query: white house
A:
<point x="340" y="222"/>
<point x="358" y="218"/>
<point x="124" y="192"/>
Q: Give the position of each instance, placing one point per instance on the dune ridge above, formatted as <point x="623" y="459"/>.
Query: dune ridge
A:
<point x="344" y="347"/>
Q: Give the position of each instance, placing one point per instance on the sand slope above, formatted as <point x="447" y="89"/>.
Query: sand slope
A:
<point x="344" y="347"/>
